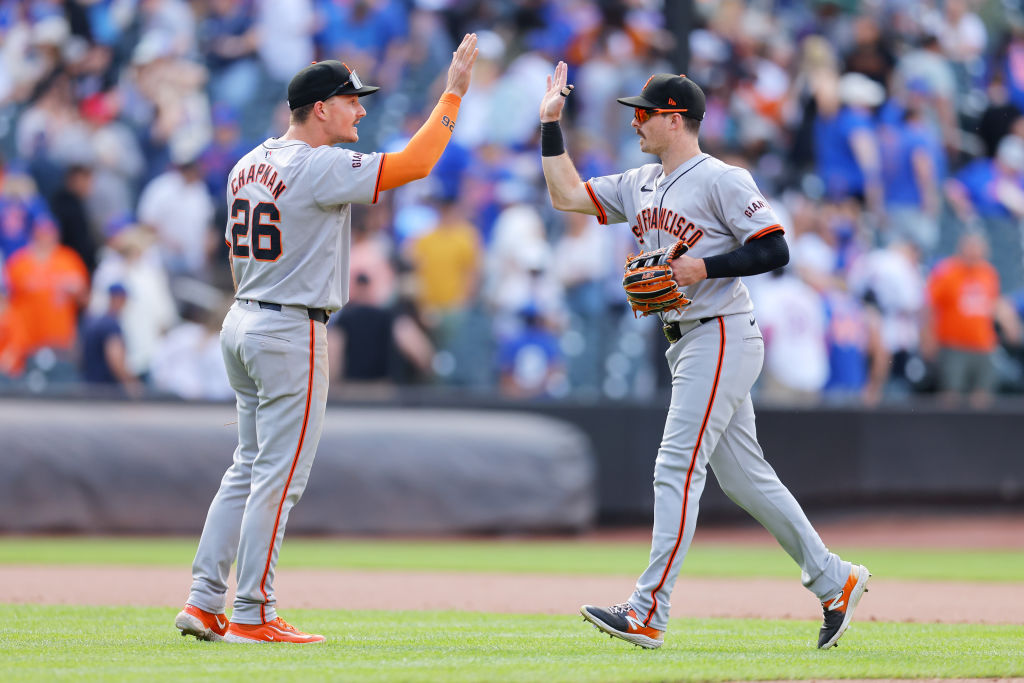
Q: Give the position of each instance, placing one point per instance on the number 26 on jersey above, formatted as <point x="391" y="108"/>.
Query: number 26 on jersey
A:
<point x="255" y="231"/>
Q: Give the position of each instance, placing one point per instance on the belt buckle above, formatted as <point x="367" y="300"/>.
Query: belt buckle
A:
<point x="671" y="332"/>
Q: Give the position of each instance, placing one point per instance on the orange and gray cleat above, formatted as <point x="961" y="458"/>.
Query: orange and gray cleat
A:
<point x="276" y="631"/>
<point x="192" y="621"/>
<point x="622" y="622"/>
<point x="839" y="608"/>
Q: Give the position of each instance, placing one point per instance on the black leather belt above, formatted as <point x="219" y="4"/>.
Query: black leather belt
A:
<point x="672" y="332"/>
<point x="318" y="314"/>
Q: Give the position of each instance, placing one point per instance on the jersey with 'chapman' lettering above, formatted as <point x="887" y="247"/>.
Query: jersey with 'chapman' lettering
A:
<point x="289" y="220"/>
<point x="714" y="207"/>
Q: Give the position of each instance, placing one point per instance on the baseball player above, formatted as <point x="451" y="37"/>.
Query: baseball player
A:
<point x="715" y="351"/>
<point x="289" y="203"/>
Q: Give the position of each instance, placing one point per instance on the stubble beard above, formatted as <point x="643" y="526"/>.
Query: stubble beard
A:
<point x="351" y="136"/>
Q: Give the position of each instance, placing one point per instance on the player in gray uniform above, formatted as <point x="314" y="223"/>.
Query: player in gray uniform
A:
<point x="716" y="348"/>
<point x="289" y="203"/>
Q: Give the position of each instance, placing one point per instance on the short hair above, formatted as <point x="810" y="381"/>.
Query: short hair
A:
<point x="301" y="114"/>
<point x="692" y="126"/>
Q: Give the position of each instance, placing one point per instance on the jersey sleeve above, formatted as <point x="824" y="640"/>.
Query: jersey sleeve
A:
<point x="606" y="193"/>
<point x="341" y="176"/>
<point x="742" y="207"/>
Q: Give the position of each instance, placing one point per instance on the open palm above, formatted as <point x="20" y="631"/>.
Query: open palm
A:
<point x="553" y="102"/>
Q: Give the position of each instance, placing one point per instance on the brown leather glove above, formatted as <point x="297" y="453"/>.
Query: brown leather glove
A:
<point x="648" y="280"/>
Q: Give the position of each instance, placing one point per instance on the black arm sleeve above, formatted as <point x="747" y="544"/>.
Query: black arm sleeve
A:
<point x="754" y="257"/>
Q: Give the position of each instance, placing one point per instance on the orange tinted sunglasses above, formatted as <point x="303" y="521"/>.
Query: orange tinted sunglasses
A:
<point x="644" y="115"/>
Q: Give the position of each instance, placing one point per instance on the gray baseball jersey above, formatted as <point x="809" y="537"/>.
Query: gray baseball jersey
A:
<point x="306" y="264"/>
<point x="715" y="208"/>
<point x="289" y="233"/>
<point x="712" y="206"/>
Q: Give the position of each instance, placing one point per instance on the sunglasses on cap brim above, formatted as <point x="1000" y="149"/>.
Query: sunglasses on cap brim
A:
<point x="643" y="115"/>
<point x="353" y="81"/>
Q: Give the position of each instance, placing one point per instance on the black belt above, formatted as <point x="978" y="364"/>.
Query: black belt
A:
<point x="672" y="332"/>
<point x="318" y="314"/>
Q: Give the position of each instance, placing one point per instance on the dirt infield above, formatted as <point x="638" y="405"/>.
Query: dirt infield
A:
<point x="887" y="600"/>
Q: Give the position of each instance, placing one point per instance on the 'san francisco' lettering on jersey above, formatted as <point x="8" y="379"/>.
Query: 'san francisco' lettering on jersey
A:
<point x="265" y="174"/>
<point x="668" y="221"/>
<point x="714" y="207"/>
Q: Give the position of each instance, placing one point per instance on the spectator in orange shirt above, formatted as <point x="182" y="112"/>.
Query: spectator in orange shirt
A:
<point x="12" y="344"/>
<point x="47" y="284"/>
<point x="963" y="305"/>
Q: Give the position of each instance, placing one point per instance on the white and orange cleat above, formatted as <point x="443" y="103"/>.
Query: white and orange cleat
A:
<point x="622" y="622"/>
<point x="204" y="625"/>
<point x="276" y="631"/>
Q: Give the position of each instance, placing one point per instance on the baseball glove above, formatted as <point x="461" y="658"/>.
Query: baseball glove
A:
<point x="648" y="280"/>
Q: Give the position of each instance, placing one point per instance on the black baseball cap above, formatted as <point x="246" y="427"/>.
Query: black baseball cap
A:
<point x="669" y="92"/>
<point x="322" y="80"/>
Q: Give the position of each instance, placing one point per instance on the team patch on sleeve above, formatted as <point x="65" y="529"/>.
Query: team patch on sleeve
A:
<point x="754" y="204"/>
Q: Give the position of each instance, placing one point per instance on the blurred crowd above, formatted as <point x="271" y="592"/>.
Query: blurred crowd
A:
<point x="888" y="135"/>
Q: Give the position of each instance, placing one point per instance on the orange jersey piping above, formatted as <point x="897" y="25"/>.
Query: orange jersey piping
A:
<point x="689" y="472"/>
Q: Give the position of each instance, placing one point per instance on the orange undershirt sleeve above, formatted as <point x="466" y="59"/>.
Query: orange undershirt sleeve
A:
<point x="424" y="149"/>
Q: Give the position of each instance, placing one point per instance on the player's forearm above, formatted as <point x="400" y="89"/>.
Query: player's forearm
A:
<point x="424" y="149"/>
<point x="753" y="258"/>
<point x="567" y="191"/>
<point x="564" y="185"/>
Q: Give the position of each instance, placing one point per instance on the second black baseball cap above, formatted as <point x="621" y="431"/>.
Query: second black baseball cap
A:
<point x="321" y="80"/>
<point x="669" y="91"/>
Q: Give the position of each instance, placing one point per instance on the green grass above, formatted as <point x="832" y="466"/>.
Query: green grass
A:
<point x="102" y="644"/>
<point x="565" y="556"/>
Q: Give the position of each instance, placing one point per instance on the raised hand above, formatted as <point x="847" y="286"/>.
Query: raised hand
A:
<point x="461" y="70"/>
<point x="554" y="99"/>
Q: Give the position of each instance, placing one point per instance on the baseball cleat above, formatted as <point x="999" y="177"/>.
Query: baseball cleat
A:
<point x="276" y="631"/>
<point x="620" y="621"/>
<point x="839" y="608"/>
<point x="204" y="625"/>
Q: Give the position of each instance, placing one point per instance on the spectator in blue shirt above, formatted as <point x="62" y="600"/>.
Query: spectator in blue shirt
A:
<point x="228" y="40"/>
<point x="857" y="358"/>
<point x="979" y="190"/>
<point x="846" y="143"/>
<point x="103" y="359"/>
<point x="21" y="208"/>
<point x="913" y="168"/>
<point x="227" y="147"/>
<point x="988" y="194"/>
<point x="361" y="27"/>
<point x="1012" y="66"/>
<point x="530" y="360"/>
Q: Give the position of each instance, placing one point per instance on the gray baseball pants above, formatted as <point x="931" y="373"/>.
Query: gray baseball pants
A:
<point x="711" y="422"/>
<point x="277" y="365"/>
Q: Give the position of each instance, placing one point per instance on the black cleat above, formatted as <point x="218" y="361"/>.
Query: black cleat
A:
<point x="620" y="621"/>
<point x="839" y="608"/>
